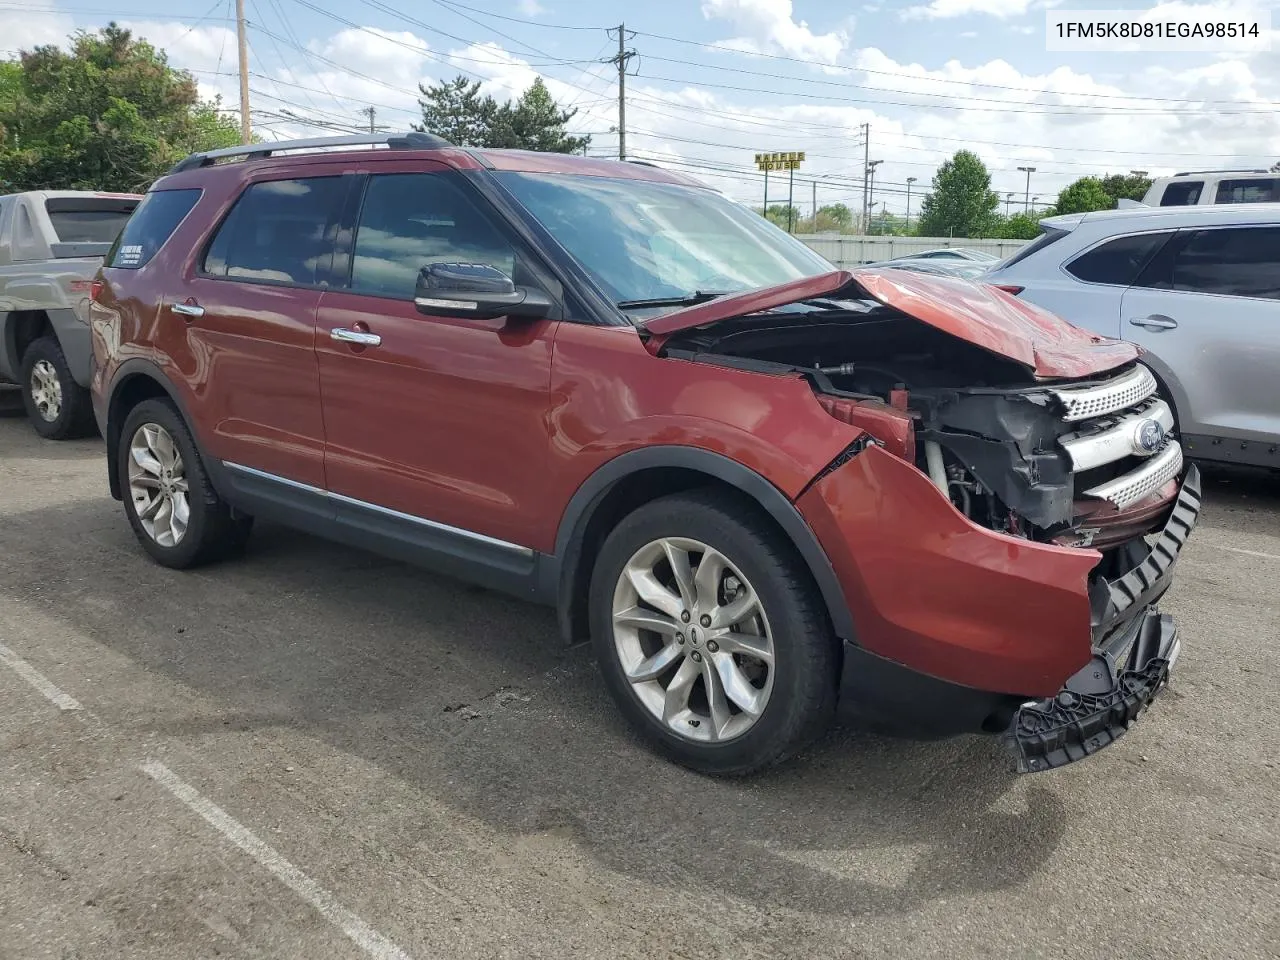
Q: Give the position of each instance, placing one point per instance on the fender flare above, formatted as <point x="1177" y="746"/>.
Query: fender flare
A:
<point x="130" y="370"/>
<point x="561" y="574"/>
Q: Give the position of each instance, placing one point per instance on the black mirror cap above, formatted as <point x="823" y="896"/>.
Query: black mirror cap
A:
<point x="476" y="290"/>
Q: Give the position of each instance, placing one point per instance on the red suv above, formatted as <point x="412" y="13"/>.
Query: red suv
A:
<point x="766" y="489"/>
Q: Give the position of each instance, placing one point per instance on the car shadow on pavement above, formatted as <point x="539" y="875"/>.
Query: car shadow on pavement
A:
<point x="470" y="698"/>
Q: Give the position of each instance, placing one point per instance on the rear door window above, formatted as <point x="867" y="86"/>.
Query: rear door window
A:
<point x="1185" y="193"/>
<point x="1237" y="262"/>
<point x="1252" y="190"/>
<point x="89" y="219"/>
<point x="410" y="220"/>
<point x="1050" y="235"/>
<point x="279" y="231"/>
<point x="1118" y="262"/>
<point x="151" y="225"/>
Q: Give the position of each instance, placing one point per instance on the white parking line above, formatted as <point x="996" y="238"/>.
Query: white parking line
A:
<point x="363" y="935"/>
<point x="1249" y="553"/>
<point x="38" y="680"/>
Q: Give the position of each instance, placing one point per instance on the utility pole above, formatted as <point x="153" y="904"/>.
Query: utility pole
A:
<point x="622" y="58"/>
<point x="815" y="206"/>
<point x="866" y="165"/>
<point x="371" y="113"/>
<point x="242" y="40"/>
<point x="910" y="181"/>
<point x="1028" y="171"/>
<point x="1008" y="199"/>
<point x="871" y="188"/>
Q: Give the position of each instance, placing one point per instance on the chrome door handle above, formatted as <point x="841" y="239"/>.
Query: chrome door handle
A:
<point x="343" y="335"/>
<point x="1156" y="321"/>
<point x="188" y="309"/>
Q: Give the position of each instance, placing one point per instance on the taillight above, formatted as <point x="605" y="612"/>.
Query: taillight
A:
<point x="1012" y="288"/>
<point x="95" y="290"/>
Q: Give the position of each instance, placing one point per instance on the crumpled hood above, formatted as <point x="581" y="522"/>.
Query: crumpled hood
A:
<point x="975" y="311"/>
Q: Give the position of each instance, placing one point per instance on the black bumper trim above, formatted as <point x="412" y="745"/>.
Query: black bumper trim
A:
<point x="1117" y="602"/>
<point x="1097" y="705"/>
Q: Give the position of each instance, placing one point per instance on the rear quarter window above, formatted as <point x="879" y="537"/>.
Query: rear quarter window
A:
<point x="1118" y="262"/>
<point x="1184" y="194"/>
<point x="151" y="225"/>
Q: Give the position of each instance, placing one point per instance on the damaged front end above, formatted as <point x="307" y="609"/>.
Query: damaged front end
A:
<point x="1030" y="429"/>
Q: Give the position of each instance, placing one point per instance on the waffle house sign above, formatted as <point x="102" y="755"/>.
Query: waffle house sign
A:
<point x="769" y="162"/>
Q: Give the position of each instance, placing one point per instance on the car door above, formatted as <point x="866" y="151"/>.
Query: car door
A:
<point x="1088" y="287"/>
<point x="434" y="422"/>
<point x="1207" y="310"/>
<point x="241" y="330"/>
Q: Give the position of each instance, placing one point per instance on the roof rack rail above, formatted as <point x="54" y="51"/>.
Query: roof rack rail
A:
<point x="1195" y="173"/>
<point x="413" y="140"/>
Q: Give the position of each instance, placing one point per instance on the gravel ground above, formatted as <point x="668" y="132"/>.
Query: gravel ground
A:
<point x="316" y="753"/>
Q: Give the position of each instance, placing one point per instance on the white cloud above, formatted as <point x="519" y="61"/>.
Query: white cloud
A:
<point x="36" y="26"/>
<point x="530" y="8"/>
<point x="769" y="26"/>
<point x="948" y="9"/>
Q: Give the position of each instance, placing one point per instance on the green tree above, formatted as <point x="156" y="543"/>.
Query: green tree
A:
<point x="777" y="215"/>
<point x="456" y="111"/>
<point x="1125" y="186"/>
<point x="1082" y="196"/>
<point x="1020" y="226"/>
<point x="109" y="114"/>
<point x="837" y="213"/>
<point x="962" y="203"/>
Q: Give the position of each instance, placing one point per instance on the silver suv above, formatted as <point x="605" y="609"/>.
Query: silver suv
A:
<point x="1198" y="288"/>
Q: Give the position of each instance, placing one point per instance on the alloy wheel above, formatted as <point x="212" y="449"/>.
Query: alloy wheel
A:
<point x="693" y="639"/>
<point x="158" y="485"/>
<point x="46" y="390"/>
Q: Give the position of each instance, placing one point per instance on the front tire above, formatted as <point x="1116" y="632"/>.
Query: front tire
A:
<point x="175" y="513"/>
<point x="711" y="635"/>
<point x="57" y="406"/>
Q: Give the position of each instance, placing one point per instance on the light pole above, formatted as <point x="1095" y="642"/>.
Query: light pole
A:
<point x="1035" y="199"/>
<point x="1028" y="171"/>
<point x="871" y="189"/>
<point x="1008" y="199"/>
<point x="910" y="181"/>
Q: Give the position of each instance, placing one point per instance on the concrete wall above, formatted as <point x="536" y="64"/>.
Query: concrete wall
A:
<point x="850" y="251"/>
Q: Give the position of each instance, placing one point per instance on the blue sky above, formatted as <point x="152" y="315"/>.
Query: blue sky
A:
<point x="717" y="80"/>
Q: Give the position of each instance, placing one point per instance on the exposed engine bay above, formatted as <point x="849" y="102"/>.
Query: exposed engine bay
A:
<point x="1085" y="462"/>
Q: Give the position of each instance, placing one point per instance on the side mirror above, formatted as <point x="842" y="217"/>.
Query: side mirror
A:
<point x="476" y="290"/>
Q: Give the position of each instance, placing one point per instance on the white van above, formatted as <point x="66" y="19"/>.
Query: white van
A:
<point x="1207" y="187"/>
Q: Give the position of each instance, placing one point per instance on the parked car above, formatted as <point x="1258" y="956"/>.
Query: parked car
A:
<point x="51" y="245"/>
<point x="767" y="490"/>
<point x="1198" y="288"/>
<point x="1208" y="187"/>
<point x="967" y="269"/>
<point x="949" y="253"/>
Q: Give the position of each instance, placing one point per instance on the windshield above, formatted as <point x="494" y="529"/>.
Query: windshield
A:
<point x="657" y="241"/>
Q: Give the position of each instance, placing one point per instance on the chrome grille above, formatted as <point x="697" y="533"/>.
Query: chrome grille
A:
<point x="1088" y="402"/>
<point x="1146" y="480"/>
<point x="1113" y="438"/>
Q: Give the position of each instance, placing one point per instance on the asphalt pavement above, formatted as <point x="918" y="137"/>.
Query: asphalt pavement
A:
<point x="316" y="753"/>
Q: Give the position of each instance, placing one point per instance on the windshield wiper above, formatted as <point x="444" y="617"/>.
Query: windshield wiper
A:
<point x="688" y="300"/>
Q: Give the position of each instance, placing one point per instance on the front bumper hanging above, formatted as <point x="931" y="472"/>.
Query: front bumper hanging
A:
<point x="1135" y="648"/>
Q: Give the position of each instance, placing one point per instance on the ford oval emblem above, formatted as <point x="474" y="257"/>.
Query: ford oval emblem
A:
<point x="1148" y="435"/>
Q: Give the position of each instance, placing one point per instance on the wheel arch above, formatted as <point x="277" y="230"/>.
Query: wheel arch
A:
<point x="640" y="476"/>
<point x="21" y="329"/>
<point x="135" y="380"/>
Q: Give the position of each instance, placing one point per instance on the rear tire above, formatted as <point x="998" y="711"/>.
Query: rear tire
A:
<point x="175" y="513"/>
<point x="57" y="406"/>
<point x="772" y="671"/>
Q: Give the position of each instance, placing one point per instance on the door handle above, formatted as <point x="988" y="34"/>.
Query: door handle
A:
<point x="188" y="309"/>
<point x="1156" y="321"/>
<point x="360" y="337"/>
